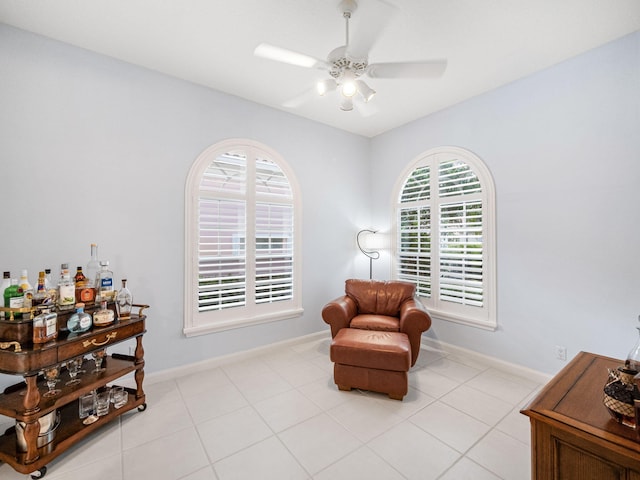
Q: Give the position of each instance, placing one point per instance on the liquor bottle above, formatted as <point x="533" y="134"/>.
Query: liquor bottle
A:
<point x="47" y="279"/>
<point x="66" y="288"/>
<point x="84" y="290"/>
<point x="80" y="321"/>
<point x="103" y="316"/>
<point x="124" y="301"/>
<point x="6" y="282"/>
<point x="93" y="266"/>
<point x="40" y="296"/>
<point x="24" y="281"/>
<point x="45" y="326"/>
<point x="105" y="282"/>
<point x="14" y="297"/>
<point x="27" y="289"/>
<point x="52" y="290"/>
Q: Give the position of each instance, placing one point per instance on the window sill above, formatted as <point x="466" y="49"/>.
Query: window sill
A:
<point x="490" y="325"/>
<point x="230" y="324"/>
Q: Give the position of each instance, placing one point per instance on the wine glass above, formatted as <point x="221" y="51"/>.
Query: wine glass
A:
<point x="51" y="375"/>
<point x="98" y="356"/>
<point x="73" y="366"/>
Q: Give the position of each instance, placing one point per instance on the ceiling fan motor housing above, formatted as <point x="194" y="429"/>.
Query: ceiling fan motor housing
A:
<point x="339" y="62"/>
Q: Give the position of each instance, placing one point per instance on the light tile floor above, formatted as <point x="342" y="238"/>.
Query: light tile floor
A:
<point x="280" y="416"/>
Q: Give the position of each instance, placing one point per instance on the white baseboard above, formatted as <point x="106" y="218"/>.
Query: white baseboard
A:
<point x="184" y="370"/>
<point x="513" y="368"/>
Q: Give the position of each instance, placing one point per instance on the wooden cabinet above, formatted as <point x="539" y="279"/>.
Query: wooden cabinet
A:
<point x="24" y="402"/>
<point x="573" y="436"/>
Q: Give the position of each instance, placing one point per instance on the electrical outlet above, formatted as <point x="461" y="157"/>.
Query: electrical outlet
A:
<point x="131" y="351"/>
<point x="561" y="353"/>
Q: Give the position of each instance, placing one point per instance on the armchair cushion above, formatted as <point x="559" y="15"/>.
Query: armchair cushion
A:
<point x="381" y="323"/>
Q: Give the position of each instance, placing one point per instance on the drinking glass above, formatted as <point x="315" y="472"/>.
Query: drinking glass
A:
<point x="51" y="375"/>
<point x="73" y="367"/>
<point x="98" y="356"/>
<point x="102" y="402"/>
<point x="87" y="404"/>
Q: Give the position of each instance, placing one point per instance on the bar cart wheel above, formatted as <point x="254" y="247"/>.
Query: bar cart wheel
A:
<point x="39" y="473"/>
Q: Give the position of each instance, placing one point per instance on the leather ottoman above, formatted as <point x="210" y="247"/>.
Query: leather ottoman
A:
<point x="371" y="360"/>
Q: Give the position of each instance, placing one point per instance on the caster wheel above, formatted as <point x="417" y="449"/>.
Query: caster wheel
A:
<point x="41" y="473"/>
<point x="142" y="407"/>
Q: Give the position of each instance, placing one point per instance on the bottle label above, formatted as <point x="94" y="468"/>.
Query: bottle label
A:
<point x="106" y="283"/>
<point x="86" y="295"/>
<point x="67" y="295"/>
<point x="51" y="324"/>
<point x="85" y="322"/>
<point x="16" y="302"/>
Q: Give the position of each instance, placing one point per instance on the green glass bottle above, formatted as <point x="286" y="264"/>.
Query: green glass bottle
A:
<point x="14" y="297"/>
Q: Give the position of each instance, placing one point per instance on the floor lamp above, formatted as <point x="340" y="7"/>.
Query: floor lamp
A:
<point x="367" y="248"/>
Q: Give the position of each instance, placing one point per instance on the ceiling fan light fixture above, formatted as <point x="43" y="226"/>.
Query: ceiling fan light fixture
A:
<point x="349" y="87"/>
<point x="346" y="104"/>
<point x="365" y="90"/>
<point x="325" y="86"/>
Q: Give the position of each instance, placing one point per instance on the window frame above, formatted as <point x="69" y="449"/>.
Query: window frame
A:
<point x="197" y="322"/>
<point x="484" y="317"/>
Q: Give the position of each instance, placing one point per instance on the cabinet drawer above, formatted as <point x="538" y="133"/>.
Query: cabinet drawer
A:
<point x="99" y="338"/>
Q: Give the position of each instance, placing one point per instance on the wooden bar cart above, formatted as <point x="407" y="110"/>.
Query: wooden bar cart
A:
<point x="25" y="404"/>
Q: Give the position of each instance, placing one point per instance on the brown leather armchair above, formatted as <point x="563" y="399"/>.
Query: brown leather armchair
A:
<point x="388" y="306"/>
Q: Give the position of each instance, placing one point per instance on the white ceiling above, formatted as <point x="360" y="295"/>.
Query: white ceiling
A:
<point x="488" y="43"/>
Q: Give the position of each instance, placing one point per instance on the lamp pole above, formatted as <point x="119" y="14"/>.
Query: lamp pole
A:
<point x="372" y="254"/>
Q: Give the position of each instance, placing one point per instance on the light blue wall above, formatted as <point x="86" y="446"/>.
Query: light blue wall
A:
<point x="97" y="150"/>
<point x="563" y="147"/>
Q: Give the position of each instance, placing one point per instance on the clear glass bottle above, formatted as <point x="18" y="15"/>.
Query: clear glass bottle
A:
<point x="52" y="290"/>
<point x="66" y="288"/>
<point x="105" y="282"/>
<point x="124" y="301"/>
<point x="93" y="266"/>
<point x="27" y="289"/>
<point x="103" y="316"/>
<point x="24" y="281"/>
<point x="80" y="321"/>
<point x="45" y="326"/>
<point x="633" y="359"/>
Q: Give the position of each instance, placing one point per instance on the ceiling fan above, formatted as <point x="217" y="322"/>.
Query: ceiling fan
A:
<point x="347" y="64"/>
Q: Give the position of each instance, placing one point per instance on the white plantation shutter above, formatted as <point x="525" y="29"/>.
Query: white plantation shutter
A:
<point x="461" y="253"/>
<point x="445" y="241"/>
<point x="414" y="231"/>
<point x="221" y="246"/>
<point x="221" y="255"/>
<point x="241" y="246"/>
<point x="414" y="255"/>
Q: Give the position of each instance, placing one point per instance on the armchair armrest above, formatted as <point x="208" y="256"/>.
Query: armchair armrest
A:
<point x="414" y="320"/>
<point x="338" y="313"/>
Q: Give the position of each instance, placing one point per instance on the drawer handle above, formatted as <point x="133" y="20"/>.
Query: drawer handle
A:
<point x="93" y="342"/>
<point x="16" y="346"/>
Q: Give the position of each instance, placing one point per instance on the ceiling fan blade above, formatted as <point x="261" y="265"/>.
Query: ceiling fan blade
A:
<point x="369" y="20"/>
<point x="428" y="69"/>
<point x="279" y="54"/>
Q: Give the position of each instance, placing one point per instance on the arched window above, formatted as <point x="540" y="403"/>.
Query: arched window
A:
<point x="242" y="245"/>
<point x="445" y="235"/>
